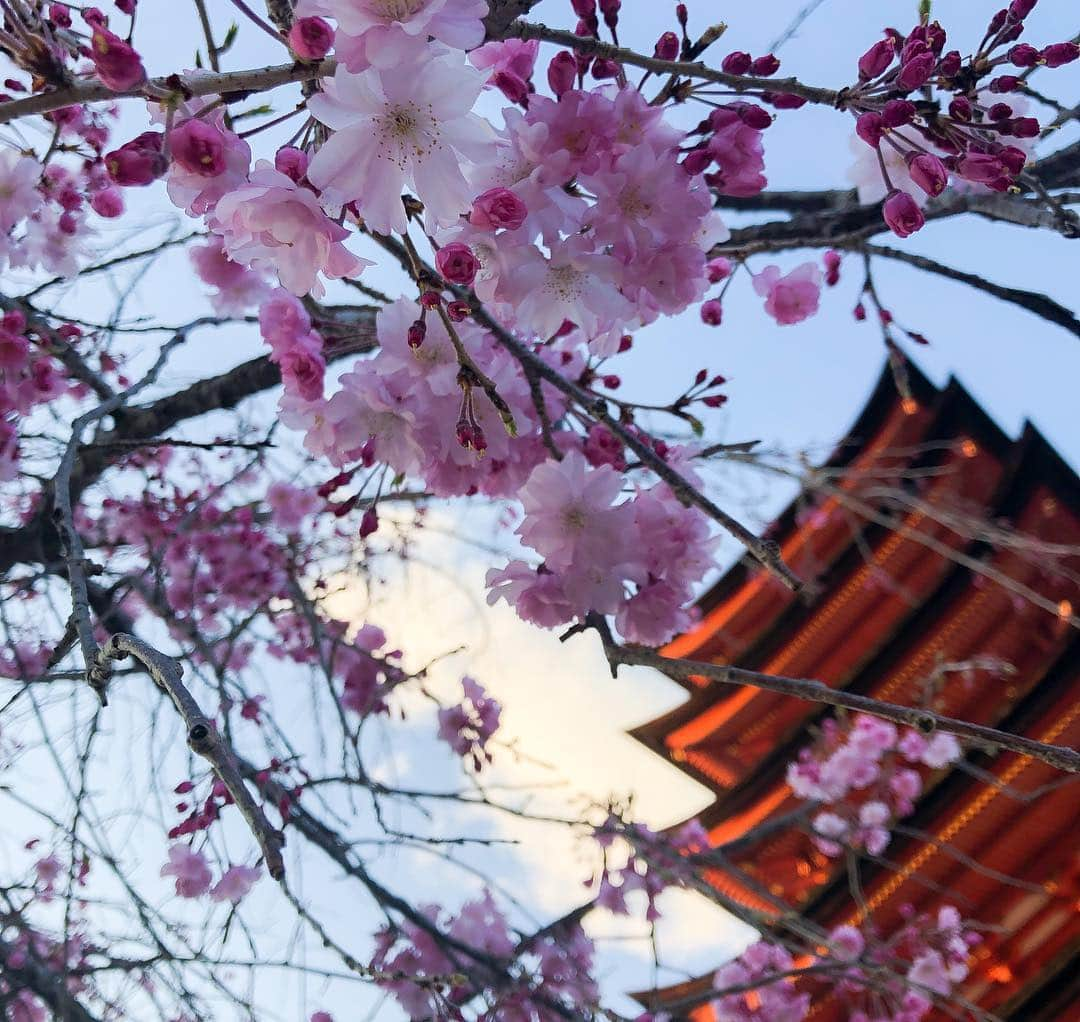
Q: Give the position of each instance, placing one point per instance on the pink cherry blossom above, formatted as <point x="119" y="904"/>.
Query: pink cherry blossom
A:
<point x="235" y="883"/>
<point x="791" y="298"/>
<point x="387" y="32"/>
<point x="273" y="223"/>
<point x="410" y="126"/>
<point x="236" y="288"/>
<point x="190" y="870"/>
<point x="19" y="195"/>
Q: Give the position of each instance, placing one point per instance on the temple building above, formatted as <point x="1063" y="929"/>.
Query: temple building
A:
<point x="935" y="541"/>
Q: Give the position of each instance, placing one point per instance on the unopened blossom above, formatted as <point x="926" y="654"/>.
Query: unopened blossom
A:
<point x="199" y="147"/>
<point x="411" y="126"/>
<point x="310" y="38"/>
<point x="902" y="214"/>
<point x="235" y="883"/>
<point x="385" y="33"/>
<point x="139" y="161"/>
<point x="457" y="263"/>
<point x="790" y="298"/>
<point x="273" y="223"/>
<point x="498" y="209"/>
<point x="116" y="62"/>
<point x="189" y="869"/>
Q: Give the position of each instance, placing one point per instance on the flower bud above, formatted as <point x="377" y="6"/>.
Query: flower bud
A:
<point x="1023" y="127"/>
<point x="291" y="162"/>
<point x="139" y="161"/>
<point x="870" y="127"/>
<point x="902" y="214"/>
<point x="1005" y="83"/>
<point x="458" y="311"/>
<point x="498" y="208"/>
<point x="736" y="63"/>
<point x="667" y="47"/>
<point x="876" y="59"/>
<point x="1023" y="55"/>
<point x="929" y="173"/>
<point x="960" y="108"/>
<point x="457" y="263"/>
<point x="561" y="73"/>
<point x="117" y="64"/>
<point x="604" y="69"/>
<point x="898" y="112"/>
<point x="712" y="313"/>
<point x="916" y="72"/>
<point x="417" y="333"/>
<point x="1058" y="54"/>
<point x="1020" y="9"/>
<point x="369" y="523"/>
<point x="949" y="65"/>
<point x="311" y="38"/>
<point x="765" y="66"/>
<point x="198" y="147"/>
<point x="512" y="86"/>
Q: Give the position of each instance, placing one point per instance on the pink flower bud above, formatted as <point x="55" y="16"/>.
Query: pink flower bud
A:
<point x="902" y="214"/>
<point x="369" y="523"/>
<point x="697" y="162"/>
<point x="117" y="64"/>
<point x="457" y="263"/>
<point x="458" y="311"/>
<point x="916" y="72"/>
<point x="1023" y="127"/>
<point x="712" y="313"/>
<point x="898" y="112"/>
<point x="561" y="73"/>
<point x="59" y="15"/>
<point x="753" y="116"/>
<point x="928" y="172"/>
<point x="870" y="127"/>
<point x="291" y="162"/>
<point x="859" y="312"/>
<point x="999" y="111"/>
<point x="960" y="108"/>
<point x="667" y="47"/>
<point x="831" y="261"/>
<point x="784" y="100"/>
<point x="198" y="147"/>
<point x="1024" y="55"/>
<point x="1058" y="54"/>
<point x="765" y="66"/>
<point x="1005" y="83"/>
<point x="431" y="299"/>
<point x="876" y="59"/>
<point x="736" y="63"/>
<point x="139" y="161"/>
<point x="1020" y="9"/>
<point x="949" y="65"/>
<point x="417" y="333"/>
<point x="584" y="8"/>
<point x="718" y="269"/>
<point x="511" y="85"/>
<point x="604" y="69"/>
<point x="498" y="208"/>
<point x="126" y="6"/>
<point x="311" y="38"/>
<point x="108" y="203"/>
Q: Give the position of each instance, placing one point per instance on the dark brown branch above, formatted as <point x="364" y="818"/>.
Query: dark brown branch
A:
<point x="925" y="721"/>
<point x="203" y="736"/>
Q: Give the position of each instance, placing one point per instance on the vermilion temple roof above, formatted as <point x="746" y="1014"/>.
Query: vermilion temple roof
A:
<point x="937" y="540"/>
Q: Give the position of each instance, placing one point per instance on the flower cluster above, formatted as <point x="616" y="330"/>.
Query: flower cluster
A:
<point x="468" y="726"/>
<point x="867" y="776"/>
<point x="193" y="877"/>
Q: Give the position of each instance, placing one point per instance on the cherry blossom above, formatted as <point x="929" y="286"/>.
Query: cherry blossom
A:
<point x="790" y="298"/>
<point x="190" y="871"/>
<point x="235" y="883"/>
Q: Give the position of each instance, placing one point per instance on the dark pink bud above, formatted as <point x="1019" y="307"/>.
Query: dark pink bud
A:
<point x="916" y="72"/>
<point x="950" y="64"/>
<point x="997" y="22"/>
<point x="498" y="208"/>
<point x="859" y="312"/>
<point x="1013" y="158"/>
<point x="898" y="112"/>
<point x="784" y="100"/>
<point x="876" y="59"/>
<point x="831" y="261"/>
<point x="94" y="17"/>
<point x="712" y="313"/>
<point x="718" y="269"/>
<point x="512" y="86"/>
<point x="1060" y="53"/>
<point x="1023" y="127"/>
<point x="870" y="127"/>
<point x="369" y="523"/>
<point x="139" y="161"/>
<point x="999" y="111"/>
<point x="417" y="333"/>
<point x="610" y="10"/>
<point x="1020" y="9"/>
<point x="117" y="64"/>
<point x="1024" y="55"/>
<point x="626" y="342"/>
<point x="736" y="63"/>
<point x="60" y="15"/>
<point x="431" y="299"/>
<point x="929" y="173"/>
<point x="714" y="400"/>
<point x="457" y="263"/>
<point x="126" y="7"/>
<point x="681" y="14"/>
<point x="611" y="381"/>
<point x="108" y="203"/>
<point x="697" y="162"/>
<point x="1005" y="83"/>
<point x="561" y="73"/>
<point x="458" y="311"/>
<point x="960" y="108"/>
<point x="753" y="116"/>
<point x="291" y="162"/>
<point x="604" y="69"/>
<point x="311" y="38"/>
<point x="902" y="214"/>
<point x="765" y="66"/>
<point x="584" y="8"/>
<point x="667" y="47"/>
<point x="184" y="787"/>
<point x="198" y="147"/>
